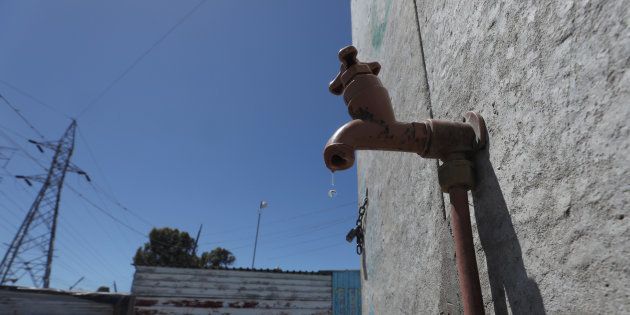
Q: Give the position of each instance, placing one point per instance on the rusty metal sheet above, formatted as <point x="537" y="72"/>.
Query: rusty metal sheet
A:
<point x="201" y="291"/>
<point x="164" y="305"/>
<point x="27" y="303"/>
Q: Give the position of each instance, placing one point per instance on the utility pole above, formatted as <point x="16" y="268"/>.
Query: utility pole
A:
<point x="197" y="240"/>
<point x="31" y="251"/>
<point x="263" y="204"/>
<point x="75" y="284"/>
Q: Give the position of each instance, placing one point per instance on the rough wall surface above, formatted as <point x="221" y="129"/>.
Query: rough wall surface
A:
<point x="408" y="266"/>
<point x="550" y="216"/>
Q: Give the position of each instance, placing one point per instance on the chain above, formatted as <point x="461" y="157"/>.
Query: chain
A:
<point x="357" y="231"/>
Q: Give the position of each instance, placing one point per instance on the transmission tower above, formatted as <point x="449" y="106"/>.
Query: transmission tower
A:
<point x="31" y="251"/>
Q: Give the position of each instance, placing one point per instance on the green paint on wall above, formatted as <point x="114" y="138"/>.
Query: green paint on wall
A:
<point x="379" y="26"/>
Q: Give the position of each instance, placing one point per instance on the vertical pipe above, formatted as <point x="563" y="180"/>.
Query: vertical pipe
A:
<point x="256" y="241"/>
<point x="469" y="286"/>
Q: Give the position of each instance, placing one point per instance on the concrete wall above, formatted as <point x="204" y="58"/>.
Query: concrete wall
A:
<point x="550" y="216"/>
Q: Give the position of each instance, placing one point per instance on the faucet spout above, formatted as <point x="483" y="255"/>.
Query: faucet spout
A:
<point x="339" y="153"/>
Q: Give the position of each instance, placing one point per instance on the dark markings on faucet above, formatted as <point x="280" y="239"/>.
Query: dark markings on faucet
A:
<point x="363" y="114"/>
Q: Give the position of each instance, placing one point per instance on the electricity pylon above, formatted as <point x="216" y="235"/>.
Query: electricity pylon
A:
<point x="31" y="251"/>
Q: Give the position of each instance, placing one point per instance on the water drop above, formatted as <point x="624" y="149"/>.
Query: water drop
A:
<point x="332" y="193"/>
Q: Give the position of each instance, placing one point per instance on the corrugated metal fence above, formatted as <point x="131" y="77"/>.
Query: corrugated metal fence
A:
<point x="160" y="290"/>
<point x="31" y="301"/>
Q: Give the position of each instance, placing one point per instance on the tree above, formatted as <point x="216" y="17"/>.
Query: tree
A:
<point x="168" y="248"/>
<point x="217" y="258"/>
<point x="173" y="248"/>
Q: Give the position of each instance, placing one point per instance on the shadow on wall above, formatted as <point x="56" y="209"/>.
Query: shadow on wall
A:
<point x="504" y="257"/>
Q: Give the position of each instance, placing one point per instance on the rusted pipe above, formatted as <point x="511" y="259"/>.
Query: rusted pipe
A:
<point x="469" y="287"/>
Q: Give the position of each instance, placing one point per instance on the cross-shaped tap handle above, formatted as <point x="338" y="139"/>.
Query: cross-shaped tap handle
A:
<point x="348" y="58"/>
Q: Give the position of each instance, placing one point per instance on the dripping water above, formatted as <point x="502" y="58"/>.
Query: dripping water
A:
<point x="332" y="192"/>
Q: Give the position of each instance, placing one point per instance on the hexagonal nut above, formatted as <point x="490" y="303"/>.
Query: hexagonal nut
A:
<point x="456" y="173"/>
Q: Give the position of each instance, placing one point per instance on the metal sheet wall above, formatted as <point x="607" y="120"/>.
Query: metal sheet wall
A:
<point x="161" y="290"/>
<point x="346" y="297"/>
<point x="31" y="301"/>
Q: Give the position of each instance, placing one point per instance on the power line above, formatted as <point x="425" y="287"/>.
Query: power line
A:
<point x="297" y="216"/>
<point x="289" y="233"/>
<point x="17" y="145"/>
<point x="17" y="111"/>
<point x="93" y="217"/>
<point x="304" y="242"/>
<point x="93" y="157"/>
<point x="109" y="195"/>
<point x="97" y="189"/>
<point x="299" y="230"/>
<point x="131" y="228"/>
<point x="76" y="191"/>
<point x="139" y="58"/>
<point x="308" y="251"/>
<point x="67" y="249"/>
<point x="46" y="278"/>
<point x="76" y="235"/>
<point x="37" y="100"/>
<point x="296" y="231"/>
<point x="114" y="218"/>
<point x="113" y="199"/>
<point x="79" y="261"/>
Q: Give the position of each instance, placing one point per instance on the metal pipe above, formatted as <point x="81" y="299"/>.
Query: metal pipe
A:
<point x="256" y="241"/>
<point x="469" y="286"/>
<point x="366" y="135"/>
<point x="263" y="204"/>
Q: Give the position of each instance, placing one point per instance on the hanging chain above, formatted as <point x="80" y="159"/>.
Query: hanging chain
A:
<point x="357" y="231"/>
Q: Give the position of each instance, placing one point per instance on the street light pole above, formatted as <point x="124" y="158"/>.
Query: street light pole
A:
<point x="263" y="204"/>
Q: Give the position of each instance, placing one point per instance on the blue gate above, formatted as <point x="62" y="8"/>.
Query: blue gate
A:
<point x="346" y="287"/>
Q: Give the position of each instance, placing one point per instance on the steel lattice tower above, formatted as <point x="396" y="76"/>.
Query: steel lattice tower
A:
<point x="32" y="248"/>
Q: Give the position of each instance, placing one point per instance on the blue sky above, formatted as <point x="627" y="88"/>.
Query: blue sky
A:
<point x="229" y="109"/>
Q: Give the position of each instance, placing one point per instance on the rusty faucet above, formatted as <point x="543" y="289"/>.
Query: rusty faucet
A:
<point x="374" y="127"/>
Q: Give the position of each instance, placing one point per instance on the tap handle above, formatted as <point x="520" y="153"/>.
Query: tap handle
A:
<point x="348" y="58"/>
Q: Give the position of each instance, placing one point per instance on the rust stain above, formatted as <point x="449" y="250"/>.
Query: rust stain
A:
<point x="250" y="304"/>
<point x="245" y="304"/>
<point x="143" y="302"/>
<point x="195" y="303"/>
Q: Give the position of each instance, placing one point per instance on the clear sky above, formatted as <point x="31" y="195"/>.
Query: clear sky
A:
<point x="231" y="108"/>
